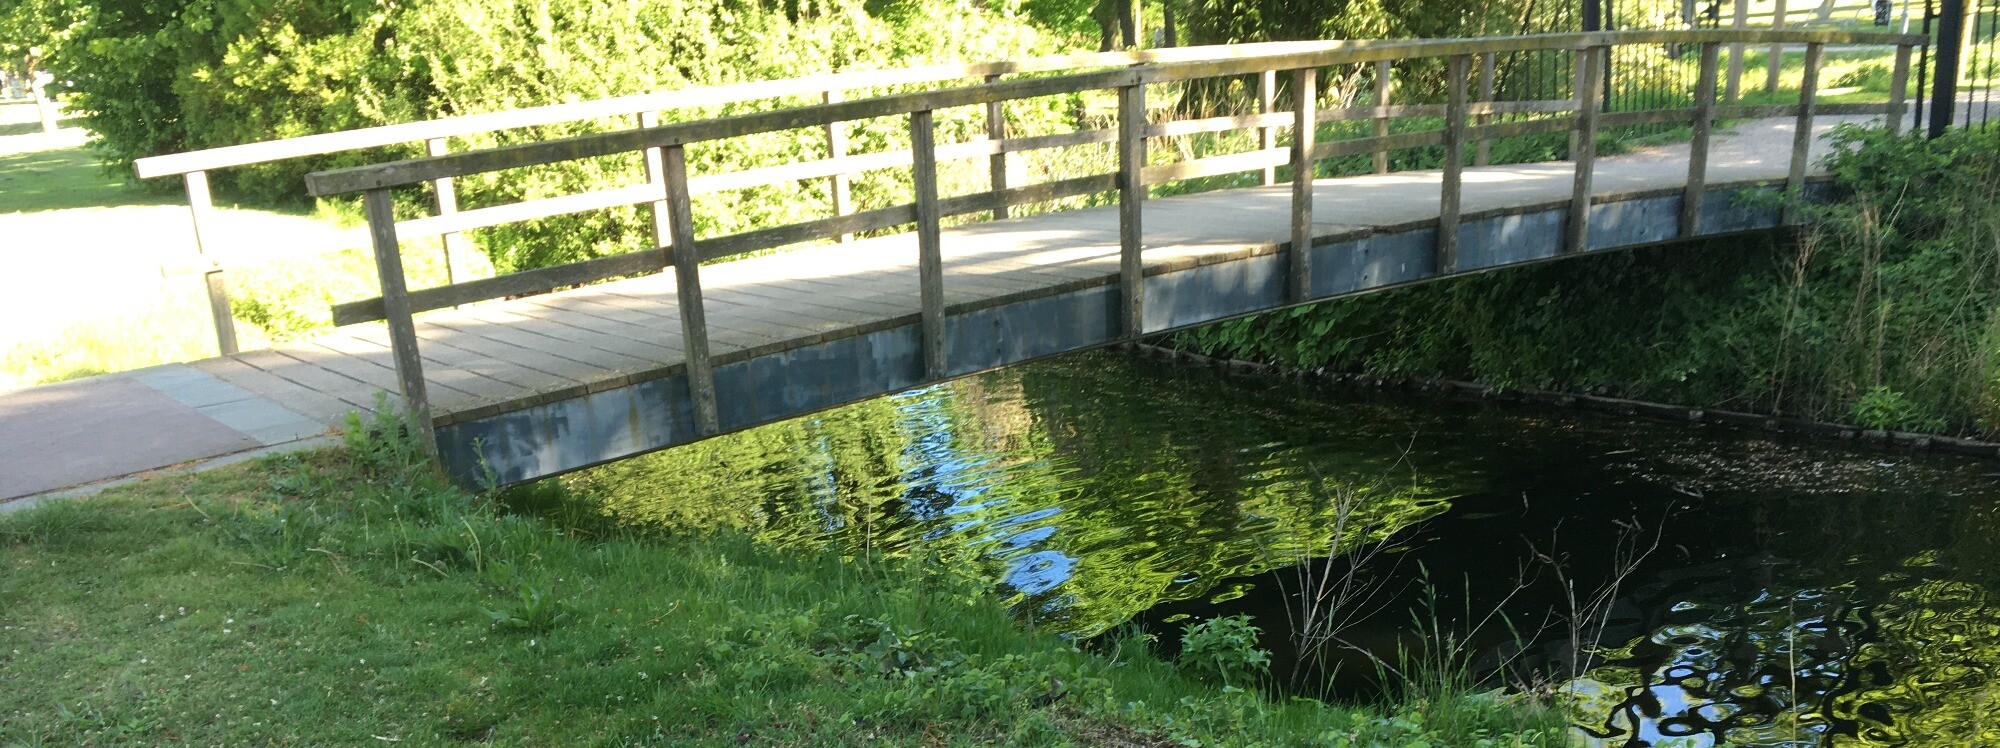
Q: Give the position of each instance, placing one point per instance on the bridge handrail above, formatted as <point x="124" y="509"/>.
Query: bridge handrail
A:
<point x="322" y="144"/>
<point x="193" y="166"/>
<point x="1296" y="55"/>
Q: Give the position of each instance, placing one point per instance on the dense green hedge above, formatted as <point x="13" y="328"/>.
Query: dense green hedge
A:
<point x="1886" y="312"/>
<point x="159" y="76"/>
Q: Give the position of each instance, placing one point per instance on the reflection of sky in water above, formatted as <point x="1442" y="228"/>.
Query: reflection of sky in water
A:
<point x="1039" y="572"/>
<point x="1806" y="667"/>
<point x="960" y="479"/>
<point x="938" y="480"/>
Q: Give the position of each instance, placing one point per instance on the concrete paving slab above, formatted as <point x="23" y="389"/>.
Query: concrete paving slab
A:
<point x="84" y="432"/>
<point x="255" y="415"/>
<point x="194" y="387"/>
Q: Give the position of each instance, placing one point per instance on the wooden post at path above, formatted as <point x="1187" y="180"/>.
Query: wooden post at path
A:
<point x="45" y="106"/>
<point x="1740" y="21"/>
<point x="201" y="211"/>
<point x="1776" y="63"/>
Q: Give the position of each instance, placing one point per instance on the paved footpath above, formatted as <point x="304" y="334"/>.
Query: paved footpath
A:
<point x="73" y="437"/>
<point x="108" y="427"/>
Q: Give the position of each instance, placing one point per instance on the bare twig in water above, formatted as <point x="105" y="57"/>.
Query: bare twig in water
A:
<point x="1588" y="614"/>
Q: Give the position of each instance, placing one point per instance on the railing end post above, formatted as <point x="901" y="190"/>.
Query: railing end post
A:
<point x="1305" y="123"/>
<point x="1131" y="207"/>
<point x="380" y="206"/>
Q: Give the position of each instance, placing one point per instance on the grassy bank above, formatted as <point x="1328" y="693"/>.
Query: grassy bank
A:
<point x="348" y="597"/>
<point x="1884" y="312"/>
<point x="117" y="278"/>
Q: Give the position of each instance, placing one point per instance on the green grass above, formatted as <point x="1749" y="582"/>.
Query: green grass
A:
<point x="348" y="597"/>
<point x="170" y="325"/>
<point x="273" y="302"/>
<point x="65" y="219"/>
<point x="65" y="178"/>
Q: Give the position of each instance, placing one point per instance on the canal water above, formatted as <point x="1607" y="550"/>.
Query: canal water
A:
<point x="1678" y="585"/>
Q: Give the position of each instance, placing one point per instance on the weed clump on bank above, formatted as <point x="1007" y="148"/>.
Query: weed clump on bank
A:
<point x="352" y="596"/>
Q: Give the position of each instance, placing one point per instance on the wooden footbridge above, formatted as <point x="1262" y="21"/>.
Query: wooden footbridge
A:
<point x="535" y="373"/>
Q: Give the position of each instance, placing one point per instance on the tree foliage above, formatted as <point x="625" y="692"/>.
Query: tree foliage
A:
<point x="161" y="76"/>
<point x="30" y="30"/>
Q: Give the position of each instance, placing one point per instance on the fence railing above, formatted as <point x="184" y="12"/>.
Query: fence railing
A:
<point x="644" y="110"/>
<point x="671" y="191"/>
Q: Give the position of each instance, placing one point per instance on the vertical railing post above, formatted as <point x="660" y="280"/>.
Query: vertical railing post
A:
<point x="1305" y="120"/>
<point x="446" y="192"/>
<point x="201" y="209"/>
<point x="1802" y="134"/>
<point x="1777" y="62"/>
<point x="838" y="185"/>
<point x="1451" y="186"/>
<point x="1131" y="204"/>
<point x="1267" y="102"/>
<point x="1740" y="22"/>
<point x="930" y="254"/>
<point x="1488" y="68"/>
<point x="1704" y="124"/>
<point x="1950" y="44"/>
<point x="1383" y="86"/>
<point x="687" y="285"/>
<point x="1590" y="63"/>
<point x="1899" y="91"/>
<point x="381" y="209"/>
<point x="996" y="131"/>
<point x="656" y="175"/>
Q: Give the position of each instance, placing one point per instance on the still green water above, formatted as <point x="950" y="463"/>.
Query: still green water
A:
<point x="1780" y="592"/>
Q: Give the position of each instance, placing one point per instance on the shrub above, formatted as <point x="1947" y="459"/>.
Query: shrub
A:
<point x="1224" y="649"/>
<point x="161" y="76"/>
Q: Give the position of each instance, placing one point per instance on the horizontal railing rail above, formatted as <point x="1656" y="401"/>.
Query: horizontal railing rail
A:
<point x="669" y="188"/>
<point x="194" y="166"/>
<point x="420" y="170"/>
<point x="324" y="144"/>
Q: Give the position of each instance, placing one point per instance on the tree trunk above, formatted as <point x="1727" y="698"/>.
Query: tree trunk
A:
<point x="1131" y="21"/>
<point x="1107" y="24"/>
<point x="43" y="105"/>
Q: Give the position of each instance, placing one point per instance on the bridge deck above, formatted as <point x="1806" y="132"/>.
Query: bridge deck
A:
<point x="486" y="358"/>
<point x="495" y="358"/>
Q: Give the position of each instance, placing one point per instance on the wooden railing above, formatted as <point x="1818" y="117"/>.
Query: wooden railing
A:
<point x="644" y="110"/>
<point x="671" y="189"/>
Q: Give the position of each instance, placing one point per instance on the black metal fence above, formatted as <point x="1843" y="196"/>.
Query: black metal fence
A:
<point x="1957" y="75"/>
<point x="1960" y="68"/>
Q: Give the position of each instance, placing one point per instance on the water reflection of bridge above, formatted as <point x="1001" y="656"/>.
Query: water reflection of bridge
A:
<point x="681" y="345"/>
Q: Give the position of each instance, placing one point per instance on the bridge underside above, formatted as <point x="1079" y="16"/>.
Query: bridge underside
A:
<point x="1071" y="261"/>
